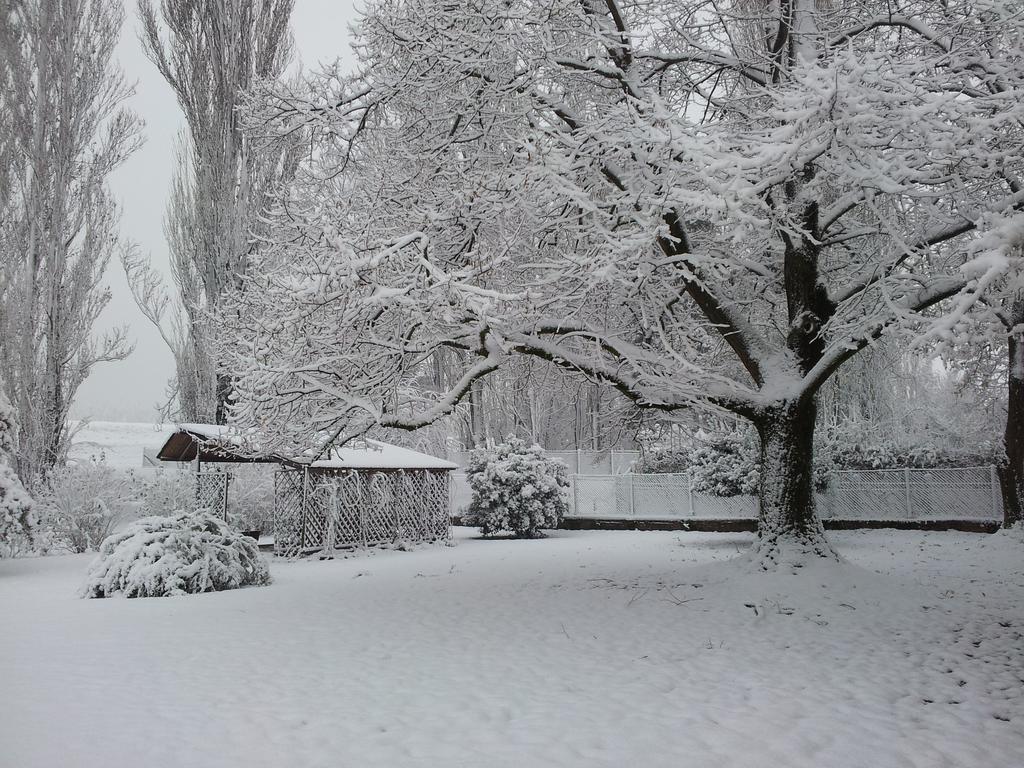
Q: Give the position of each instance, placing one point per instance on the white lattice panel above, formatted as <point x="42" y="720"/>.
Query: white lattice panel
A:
<point x="212" y="492"/>
<point x="324" y="511"/>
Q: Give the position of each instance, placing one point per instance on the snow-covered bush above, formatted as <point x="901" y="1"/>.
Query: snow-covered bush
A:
<point x="162" y="491"/>
<point x="80" y="505"/>
<point x="662" y="461"/>
<point x="725" y="465"/>
<point x="184" y="554"/>
<point x="516" y="489"/>
<point x="17" y="518"/>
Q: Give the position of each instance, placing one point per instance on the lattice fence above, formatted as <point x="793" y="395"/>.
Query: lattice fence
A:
<point x="212" y="492"/>
<point x="940" y="494"/>
<point x="326" y="511"/>
<point x="289" y="487"/>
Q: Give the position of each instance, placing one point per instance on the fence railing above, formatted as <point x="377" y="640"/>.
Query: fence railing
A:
<point x="970" y="493"/>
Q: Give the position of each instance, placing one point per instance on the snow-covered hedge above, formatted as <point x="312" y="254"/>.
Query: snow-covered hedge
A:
<point x="846" y="454"/>
<point x="516" y="489"/>
<point x="184" y="554"/>
<point x="728" y="464"/>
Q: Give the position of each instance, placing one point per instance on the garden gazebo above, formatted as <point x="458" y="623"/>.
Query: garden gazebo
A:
<point x="363" y="494"/>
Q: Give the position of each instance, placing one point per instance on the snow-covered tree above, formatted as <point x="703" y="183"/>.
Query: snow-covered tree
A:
<point x="211" y="52"/>
<point x="1009" y="318"/>
<point x="987" y="347"/>
<point x="700" y="204"/>
<point x="516" y="489"/>
<point x="65" y="130"/>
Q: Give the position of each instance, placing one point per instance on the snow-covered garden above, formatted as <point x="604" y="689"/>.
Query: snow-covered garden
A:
<point x="581" y="649"/>
<point x="773" y="251"/>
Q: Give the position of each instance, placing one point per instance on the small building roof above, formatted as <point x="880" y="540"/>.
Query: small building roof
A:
<point x="213" y="443"/>
<point x="210" y="442"/>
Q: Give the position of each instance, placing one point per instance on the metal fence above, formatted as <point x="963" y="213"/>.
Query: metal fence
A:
<point x="970" y="493"/>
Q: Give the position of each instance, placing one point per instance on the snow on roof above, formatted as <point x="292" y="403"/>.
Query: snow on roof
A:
<point x="206" y="431"/>
<point x="373" y="454"/>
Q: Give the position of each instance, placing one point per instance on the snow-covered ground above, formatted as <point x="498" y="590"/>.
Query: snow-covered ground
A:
<point x="584" y="649"/>
<point x="119" y="443"/>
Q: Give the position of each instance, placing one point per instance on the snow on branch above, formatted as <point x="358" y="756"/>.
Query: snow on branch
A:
<point x="651" y="196"/>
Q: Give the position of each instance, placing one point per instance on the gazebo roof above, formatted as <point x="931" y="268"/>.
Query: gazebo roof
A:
<point x="213" y="443"/>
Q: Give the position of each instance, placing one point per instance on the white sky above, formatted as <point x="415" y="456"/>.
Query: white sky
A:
<point x="131" y="389"/>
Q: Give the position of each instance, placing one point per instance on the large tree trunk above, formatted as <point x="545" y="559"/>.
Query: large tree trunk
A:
<point x="223" y="395"/>
<point x="1011" y="473"/>
<point x="789" y="530"/>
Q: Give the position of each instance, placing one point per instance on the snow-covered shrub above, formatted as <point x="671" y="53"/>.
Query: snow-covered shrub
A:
<point x="726" y="464"/>
<point x="17" y="518"/>
<point x="516" y="489"/>
<point x="80" y="505"/>
<point x="184" y="554"/>
<point x="663" y="462"/>
<point x="162" y="491"/>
